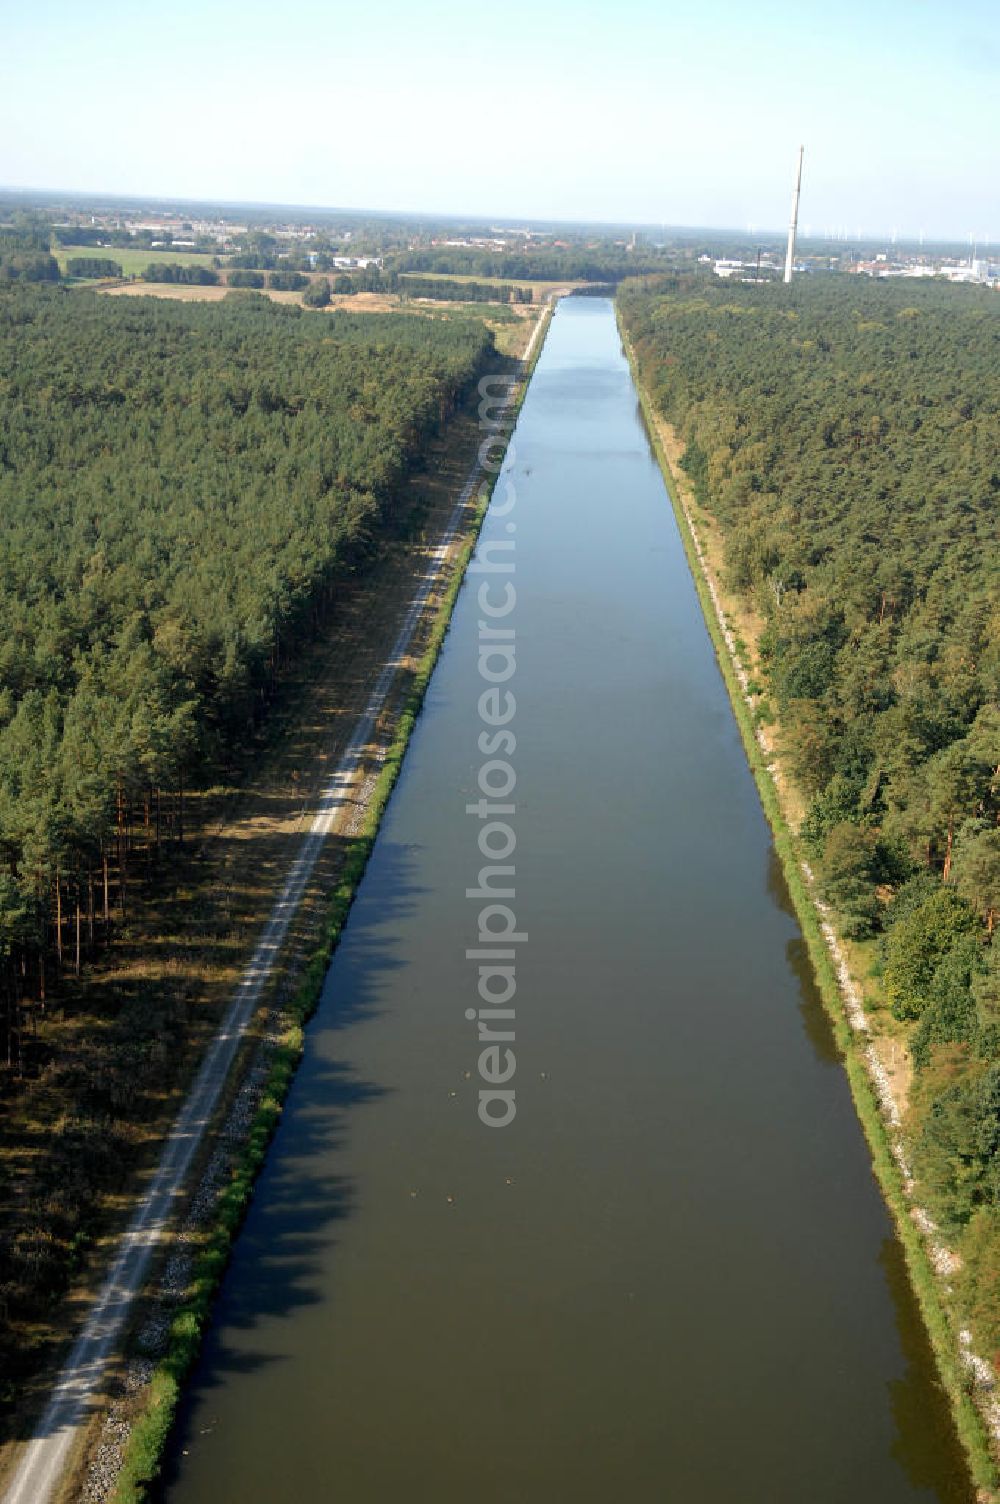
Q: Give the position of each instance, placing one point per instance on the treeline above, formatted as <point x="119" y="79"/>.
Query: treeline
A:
<point x="286" y="281"/>
<point x="370" y="279"/>
<point x="241" y="278"/>
<point x="92" y="266"/>
<point x="206" y="276"/>
<point x="845" y="436"/>
<point x="174" y="271"/>
<point x="24" y="251"/>
<point x="282" y="281"/>
<point x="28" y="266"/>
<point x="255" y="272"/>
<point x="443" y="290"/>
<point x="182" y="487"/>
<point x="437" y="289"/>
<point x="609" y="264"/>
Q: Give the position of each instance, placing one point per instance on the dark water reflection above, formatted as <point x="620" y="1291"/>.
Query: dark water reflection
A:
<point x="672" y="1278"/>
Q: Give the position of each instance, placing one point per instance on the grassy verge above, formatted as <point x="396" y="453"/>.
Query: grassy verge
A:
<point x="151" y="1430"/>
<point x="924" y="1281"/>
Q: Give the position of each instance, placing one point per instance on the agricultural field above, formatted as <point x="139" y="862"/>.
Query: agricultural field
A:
<point x="132" y="262"/>
<point x="185" y="292"/>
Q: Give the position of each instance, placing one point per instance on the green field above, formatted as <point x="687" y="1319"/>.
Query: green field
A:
<point x="132" y="262"/>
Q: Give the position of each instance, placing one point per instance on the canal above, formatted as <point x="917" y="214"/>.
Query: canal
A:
<point x="670" y="1277"/>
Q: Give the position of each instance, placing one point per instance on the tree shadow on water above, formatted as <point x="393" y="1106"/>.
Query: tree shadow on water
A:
<point x="815" y="1020"/>
<point x="371" y="948"/>
<point x="925" y="1443"/>
<point x="282" y="1262"/>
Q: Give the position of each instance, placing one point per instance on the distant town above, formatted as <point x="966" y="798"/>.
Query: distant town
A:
<point x="978" y="269"/>
<point x="318" y="241"/>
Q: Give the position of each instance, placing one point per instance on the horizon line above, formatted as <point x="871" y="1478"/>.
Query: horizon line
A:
<point x="919" y="237"/>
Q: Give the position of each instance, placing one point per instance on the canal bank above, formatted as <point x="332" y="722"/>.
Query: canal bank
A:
<point x="331" y="835"/>
<point x="257" y="1110"/>
<point x="927" y="1261"/>
<point x="671" y="1276"/>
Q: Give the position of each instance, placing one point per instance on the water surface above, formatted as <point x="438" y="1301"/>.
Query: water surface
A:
<point x="671" y="1278"/>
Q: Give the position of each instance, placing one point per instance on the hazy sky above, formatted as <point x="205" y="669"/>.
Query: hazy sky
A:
<point x="686" y="113"/>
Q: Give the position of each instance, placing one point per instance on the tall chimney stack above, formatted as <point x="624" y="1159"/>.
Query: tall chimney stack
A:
<point x="793" y="223"/>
